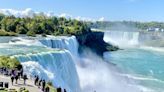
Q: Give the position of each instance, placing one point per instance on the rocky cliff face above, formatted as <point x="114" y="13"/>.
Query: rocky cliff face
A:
<point x="94" y="41"/>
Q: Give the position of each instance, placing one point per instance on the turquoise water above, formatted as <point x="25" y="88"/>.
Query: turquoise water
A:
<point x="145" y="66"/>
<point x="50" y="58"/>
<point x="8" y="49"/>
<point x="56" y="59"/>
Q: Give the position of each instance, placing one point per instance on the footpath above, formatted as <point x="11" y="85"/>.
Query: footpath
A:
<point x="29" y="84"/>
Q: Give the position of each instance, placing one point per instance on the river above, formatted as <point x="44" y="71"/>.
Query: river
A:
<point x="136" y="68"/>
<point x="142" y="63"/>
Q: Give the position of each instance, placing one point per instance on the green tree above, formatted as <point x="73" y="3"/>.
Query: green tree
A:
<point x="31" y="33"/>
<point x="21" y="29"/>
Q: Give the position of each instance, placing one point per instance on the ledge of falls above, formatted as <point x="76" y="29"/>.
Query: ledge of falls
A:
<point x="94" y="41"/>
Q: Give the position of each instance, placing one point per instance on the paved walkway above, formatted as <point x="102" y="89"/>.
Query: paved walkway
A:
<point x="29" y="84"/>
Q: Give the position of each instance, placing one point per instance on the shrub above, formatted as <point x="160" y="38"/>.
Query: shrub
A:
<point x="10" y="63"/>
<point x="31" y="33"/>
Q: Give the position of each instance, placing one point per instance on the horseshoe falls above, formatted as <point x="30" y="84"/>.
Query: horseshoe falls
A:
<point x="122" y="39"/>
<point x="138" y="60"/>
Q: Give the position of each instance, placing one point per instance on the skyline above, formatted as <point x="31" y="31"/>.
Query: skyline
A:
<point x="111" y="10"/>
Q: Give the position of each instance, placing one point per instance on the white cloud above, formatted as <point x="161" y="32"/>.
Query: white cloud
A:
<point x="27" y="12"/>
<point x="84" y="18"/>
<point x="65" y="15"/>
<point x="24" y="13"/>
<point x="30" y="13"/>
<point x="101" y="19"/>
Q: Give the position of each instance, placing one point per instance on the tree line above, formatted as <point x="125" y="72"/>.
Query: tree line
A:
<point x="11" y="25"/>
<point x="130" y="24"/>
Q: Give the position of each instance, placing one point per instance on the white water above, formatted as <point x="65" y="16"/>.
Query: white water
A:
<point x="97" y="75"/>
<point x="139" y="60"/>
<point x="64" y="68"/>
<point x="57" y="67"/>
<point x="69" y="43"/>
<point x="121" y="38"/>
<point x="27" y="42"/>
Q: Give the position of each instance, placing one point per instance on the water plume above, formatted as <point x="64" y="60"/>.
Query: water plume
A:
<point x="95" y="75"/>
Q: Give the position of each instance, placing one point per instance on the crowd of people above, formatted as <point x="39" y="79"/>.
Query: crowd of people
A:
<point x="41" y="83"/>
<point x="16" y="75"/>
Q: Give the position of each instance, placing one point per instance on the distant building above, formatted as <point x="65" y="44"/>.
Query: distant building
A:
<point x="155" y="30"/>
<point x="150" y="30"/>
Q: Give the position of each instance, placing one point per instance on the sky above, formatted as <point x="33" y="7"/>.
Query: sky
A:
<point x="112" y="10"/>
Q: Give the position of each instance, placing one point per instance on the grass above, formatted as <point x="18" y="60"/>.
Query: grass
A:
<point x="52" y="89"/>
<point x="3" y="90"/>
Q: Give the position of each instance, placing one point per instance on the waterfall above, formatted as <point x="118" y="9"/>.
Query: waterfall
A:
<point x="121" y="38"/>
<point x="56" y="66"/>
<point x="57" y="62"/>
<point x="69" y="43"/>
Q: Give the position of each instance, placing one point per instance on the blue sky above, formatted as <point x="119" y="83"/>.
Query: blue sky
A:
<point x="136" y="10"/>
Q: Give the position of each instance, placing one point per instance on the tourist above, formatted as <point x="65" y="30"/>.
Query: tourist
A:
<point x="16" y="78"/>
<point x="47" y="89"/>
<point x="39" y="84"/>
<point x="12" y="79"/>
<point x="12" y="73"/>
<point x="59" y="89"/>
<point x="43" y="85"/>
<point x="36" y="80"/>
<point x="25" y="78"/>
<point x="65" y="90"/>
<point x="12" y="76"/>
<point x="21" y="72"/>
<point x="6" y="73"/>
<point x="4" y="70"/>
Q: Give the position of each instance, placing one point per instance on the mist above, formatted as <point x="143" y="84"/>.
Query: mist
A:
<point x="120" y="26"/>
<point x="96" y="75"/>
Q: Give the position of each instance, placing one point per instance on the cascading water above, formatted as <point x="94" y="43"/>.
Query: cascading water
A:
<point x="56" y="66"/>
<point x="69" y="43"/>
<point x="122" y="38"/>
<point x="89" y="75"/>
<point x="90" y="69"/>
